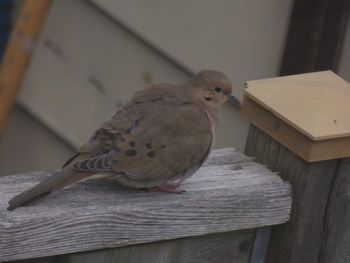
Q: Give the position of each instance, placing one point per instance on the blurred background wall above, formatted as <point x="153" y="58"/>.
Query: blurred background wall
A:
<point x="93" y="55"/>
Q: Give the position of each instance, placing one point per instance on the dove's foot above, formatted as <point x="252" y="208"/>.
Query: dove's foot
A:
<point x="167" y="189"/>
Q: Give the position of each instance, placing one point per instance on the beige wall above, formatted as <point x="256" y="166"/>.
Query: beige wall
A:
<point x="160" y="40"/>
<point x="28" y="145"/>
<point x="136" y="44"/>
<point x="244" y="38"/>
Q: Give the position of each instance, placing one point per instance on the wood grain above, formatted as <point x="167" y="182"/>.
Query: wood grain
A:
<point x="293" y="100"/>
<point x="336" y="247"/>
<point x="293" y="139"/>
<point x="98" y="214"/>
<point x="300" y="240"/>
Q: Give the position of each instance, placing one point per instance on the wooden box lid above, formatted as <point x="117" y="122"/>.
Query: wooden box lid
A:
<point x="308" y="113"/>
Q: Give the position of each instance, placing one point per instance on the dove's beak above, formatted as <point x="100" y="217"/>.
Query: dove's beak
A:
<point x="234" y="101"/>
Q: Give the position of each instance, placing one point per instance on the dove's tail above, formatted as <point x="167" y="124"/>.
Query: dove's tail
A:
<point x="51" y="184"/>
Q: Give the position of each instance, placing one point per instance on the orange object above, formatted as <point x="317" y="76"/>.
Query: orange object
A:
<point x="18" y="52"/>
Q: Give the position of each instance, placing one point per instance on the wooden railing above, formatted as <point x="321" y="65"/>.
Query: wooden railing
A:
<point x="214" y="220"/>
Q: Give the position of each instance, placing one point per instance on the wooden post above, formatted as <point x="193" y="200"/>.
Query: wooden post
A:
<point x="307" y="148"/>
<point x="300" y="239"/>
<point x="336" y="241"/>
<point x="17" y="54"/>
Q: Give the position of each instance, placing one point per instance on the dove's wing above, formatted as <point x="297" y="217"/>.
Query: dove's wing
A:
<point x="163" y="133"/>
<point x="157" y="136"/>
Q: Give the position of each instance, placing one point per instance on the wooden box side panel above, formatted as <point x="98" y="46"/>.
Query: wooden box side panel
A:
<point x="294" y="140"/>
<point x="276" y="128"/>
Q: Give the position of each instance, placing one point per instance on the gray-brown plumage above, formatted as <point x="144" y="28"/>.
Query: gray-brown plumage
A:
<point x="162" y="136"/>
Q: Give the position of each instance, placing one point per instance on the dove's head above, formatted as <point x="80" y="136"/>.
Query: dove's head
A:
<point x="212" y="87"/>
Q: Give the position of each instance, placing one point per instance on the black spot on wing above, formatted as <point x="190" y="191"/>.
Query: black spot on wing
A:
<point x="131" y="152"/>
<point x="132" y="143"/>
<point x="148" y="145"/>
<point x="151" y="154"/>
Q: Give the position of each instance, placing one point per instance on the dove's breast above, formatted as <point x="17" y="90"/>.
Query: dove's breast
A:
<point x="173" y="143"/>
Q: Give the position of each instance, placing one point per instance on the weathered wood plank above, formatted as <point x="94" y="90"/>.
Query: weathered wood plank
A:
<point x="216" y="248"/>
<point x="300" y="239"/>
<point x="99" y="214"/>
<point x="336" y="247"/>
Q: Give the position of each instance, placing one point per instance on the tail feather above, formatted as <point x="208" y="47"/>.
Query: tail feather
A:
<point x="51" y="184"/>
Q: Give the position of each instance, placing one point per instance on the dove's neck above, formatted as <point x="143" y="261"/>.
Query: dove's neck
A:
<point x="211" y="110"/>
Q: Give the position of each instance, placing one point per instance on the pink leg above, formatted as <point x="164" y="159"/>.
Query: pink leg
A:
<point x="167" y="189"/>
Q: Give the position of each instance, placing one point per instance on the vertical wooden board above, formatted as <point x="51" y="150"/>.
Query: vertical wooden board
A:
<point x="160" y="252"/>
<point x="344" y="63"/>
<point x="315" y="36"/>
<point x="217" y="248"/>
<point x="300" y="239"/>
<point x="336" y="247"/>
<point x="220" y="248"/>
<point x="261" y="243"/>
<point x="38" y="260"/>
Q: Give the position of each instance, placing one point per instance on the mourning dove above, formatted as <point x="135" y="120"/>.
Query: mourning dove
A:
<point x="159" y="138"/>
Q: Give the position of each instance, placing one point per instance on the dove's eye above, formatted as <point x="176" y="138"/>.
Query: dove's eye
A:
<point x="218" y="89"/>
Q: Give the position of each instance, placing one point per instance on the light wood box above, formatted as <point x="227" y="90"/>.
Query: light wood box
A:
<point x="307" y="113"/>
